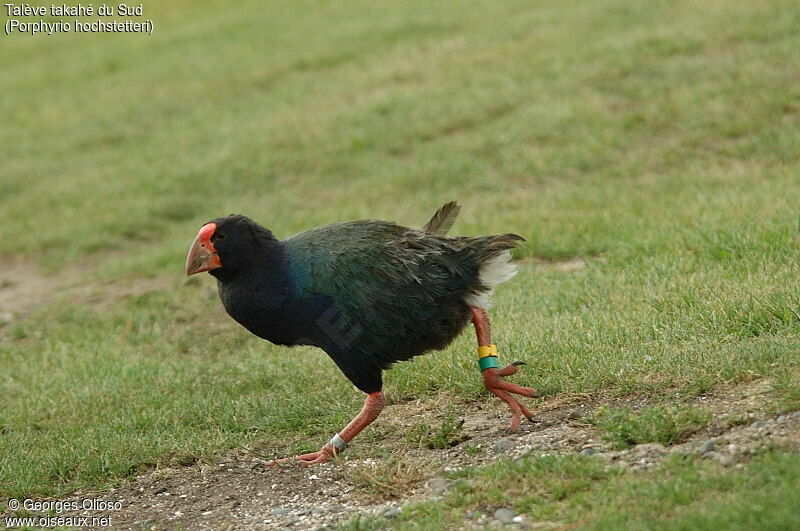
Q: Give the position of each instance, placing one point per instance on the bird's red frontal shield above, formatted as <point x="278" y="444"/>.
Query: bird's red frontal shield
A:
<point x="202" y="254"/>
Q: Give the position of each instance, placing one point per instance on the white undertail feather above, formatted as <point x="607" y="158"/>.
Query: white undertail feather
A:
<point x="494" y="271"/>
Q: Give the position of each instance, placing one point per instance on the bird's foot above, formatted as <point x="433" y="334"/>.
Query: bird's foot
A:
<point x="313" y="458"/>
<point x="493" y="381"/>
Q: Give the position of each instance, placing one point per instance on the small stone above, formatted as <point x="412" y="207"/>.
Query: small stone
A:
<point x="680" y="450"/>
<point x="505" y="515"/>
<point x="706" y="447"/>
<point x="726" y="460"/>
<point x="392" y="512"/>
<point x="278" y="512"/>
<point x="647" y="448"/>
<point x="781" y="418"/>
<point x="588" y="451"/>
<point x="758" y="424"/>
<point x="337" y="508"/>
<point x="438" y="484"/>
<point x="502" y="446"/>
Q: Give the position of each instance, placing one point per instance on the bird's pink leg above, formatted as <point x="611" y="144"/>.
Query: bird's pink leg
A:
<point x="373" y="405"/>
<point x="492" y="377"/>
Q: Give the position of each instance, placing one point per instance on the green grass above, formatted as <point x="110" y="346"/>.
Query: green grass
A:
<point x="659" y="424"/>
<point x="657" y="141"/>
<point x="682" y="493"/>
<point x="441" y="438"/>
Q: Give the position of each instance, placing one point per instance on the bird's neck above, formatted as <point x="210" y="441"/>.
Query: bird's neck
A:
<point x="263" y="278"/>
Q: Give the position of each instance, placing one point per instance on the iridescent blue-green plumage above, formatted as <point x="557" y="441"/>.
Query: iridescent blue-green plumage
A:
<point x="368" y="292"/>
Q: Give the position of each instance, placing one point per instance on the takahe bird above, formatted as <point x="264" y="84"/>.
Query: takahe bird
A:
<point x="369" y="293"/>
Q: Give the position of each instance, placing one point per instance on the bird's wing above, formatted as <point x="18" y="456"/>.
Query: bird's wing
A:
<point x="363" y="263"/>
<point x="359" y="262"/>
<point x="442" y="221"/>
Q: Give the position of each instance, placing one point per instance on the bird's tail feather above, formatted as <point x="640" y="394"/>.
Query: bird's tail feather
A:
<point x="442" y="221"/>
<point x="496" y="268"/>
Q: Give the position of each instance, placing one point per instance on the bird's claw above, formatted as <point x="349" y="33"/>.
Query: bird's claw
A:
<point x="313" y="458"/>
<point x="518" y="363"/>
<point x="492" y="380"/>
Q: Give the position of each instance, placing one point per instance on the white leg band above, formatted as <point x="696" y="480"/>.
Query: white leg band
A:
<point x="338" y="443"/>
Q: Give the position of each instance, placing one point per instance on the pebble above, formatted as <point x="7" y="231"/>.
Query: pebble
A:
<point x="588" y="451"/>
<point x="649" y="448"/>
<point x="758" y="424"/>
<point x="505" y="515"/>
<point x="392" y="512"/>
<point x="726" y="460"/>
<point x="277" y="512"/>
<point x="680" y="450"/>
<point x="706" y="447"/>
<point x="502" y="446"/>
<point x="438" y="484"/>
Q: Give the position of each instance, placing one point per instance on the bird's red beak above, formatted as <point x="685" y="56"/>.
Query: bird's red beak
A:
<point x="202" y="255"/>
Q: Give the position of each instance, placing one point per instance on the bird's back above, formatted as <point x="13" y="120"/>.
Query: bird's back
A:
<point x="385" y="293"/>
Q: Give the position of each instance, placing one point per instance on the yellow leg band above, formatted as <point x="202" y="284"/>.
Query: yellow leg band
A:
<point x="486" y="351"/>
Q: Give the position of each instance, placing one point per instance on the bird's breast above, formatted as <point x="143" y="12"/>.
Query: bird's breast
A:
<point x="279" y="319"/>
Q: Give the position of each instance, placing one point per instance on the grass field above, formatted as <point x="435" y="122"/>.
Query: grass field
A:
<point x="657" y="142"/>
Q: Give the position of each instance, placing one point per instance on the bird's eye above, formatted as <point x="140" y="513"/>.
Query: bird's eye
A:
<point x="220" y="236"/>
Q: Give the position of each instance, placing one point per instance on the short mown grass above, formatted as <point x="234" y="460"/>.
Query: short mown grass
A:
<point x="682" y="493"/>
<point x="658" y="424"/>
<point x="657" y="142"/>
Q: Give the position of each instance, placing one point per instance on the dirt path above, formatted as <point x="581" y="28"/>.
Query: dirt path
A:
<point x="238" y="490"/>
<point x="24" y="286"/>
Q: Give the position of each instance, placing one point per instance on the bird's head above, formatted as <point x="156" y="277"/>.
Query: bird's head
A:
<point x="225" y="245"/>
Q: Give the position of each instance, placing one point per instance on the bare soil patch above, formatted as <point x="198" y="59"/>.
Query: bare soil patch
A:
<point x="24" y="286"/>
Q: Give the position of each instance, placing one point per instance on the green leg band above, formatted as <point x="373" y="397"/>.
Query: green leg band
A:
<point x="489" y="362"/>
